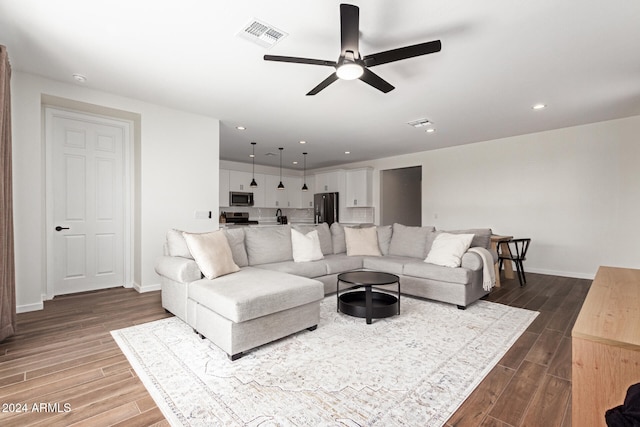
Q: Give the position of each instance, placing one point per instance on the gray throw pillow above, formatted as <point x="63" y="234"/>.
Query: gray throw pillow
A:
<point x="412" y="242"/>
<point x="268" y="244"/>
<point x="176" y="244"/>
<point x="235" y="236"/>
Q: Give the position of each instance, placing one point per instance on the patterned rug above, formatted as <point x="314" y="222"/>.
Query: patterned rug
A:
<point x="415" y="369"/>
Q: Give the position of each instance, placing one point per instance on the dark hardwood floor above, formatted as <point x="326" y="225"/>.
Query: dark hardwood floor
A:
<point x="531" y="385"/>
<point x="65" y="355"/>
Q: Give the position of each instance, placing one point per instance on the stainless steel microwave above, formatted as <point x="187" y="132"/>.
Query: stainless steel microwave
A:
<point x="237" y="198"/>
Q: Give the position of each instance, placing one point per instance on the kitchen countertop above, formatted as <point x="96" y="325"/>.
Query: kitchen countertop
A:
<point x="263" y="224"/>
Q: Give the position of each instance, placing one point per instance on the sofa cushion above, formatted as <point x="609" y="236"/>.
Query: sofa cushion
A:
<point x="389" y="264"/>
<point x="384" y="238"/>
<point x="176" y="244"/>
<point x="447" y="249"/>
<point x="411" y="241"/>
<point x="235" y="236"/>
<point x="305" y="247"/>
<point x="252" y="293"/>
<point x="268" y="244"/>
<point x="362" y="241"/>
<point x="309" y="269"/>
<point x="326" y="243"/>
<point x="482" y="236"/>
<point x="212" y="253"/>
<point x="341" y="263"/>
<point x="337" y="235"/>
<point x="434" y="272"/>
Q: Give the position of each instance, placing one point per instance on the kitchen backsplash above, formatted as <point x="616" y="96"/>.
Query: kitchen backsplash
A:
<point x="268" y="215"/>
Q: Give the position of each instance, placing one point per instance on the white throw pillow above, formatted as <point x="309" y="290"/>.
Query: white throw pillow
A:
<point x="362" y="241"/>
<point x="212" y="253"/>
<point x="447" y="249"/>
<point x="306" y="247"/>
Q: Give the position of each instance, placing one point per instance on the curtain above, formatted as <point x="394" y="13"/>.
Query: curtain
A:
<point x="7" y="265"/>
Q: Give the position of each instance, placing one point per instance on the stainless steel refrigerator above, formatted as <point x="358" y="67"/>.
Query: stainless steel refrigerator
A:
<point x="325" y="208"/>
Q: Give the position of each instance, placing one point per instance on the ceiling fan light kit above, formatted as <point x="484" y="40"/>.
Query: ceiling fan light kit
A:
<point x="350" y="64"/>
<point x="349" y="71"/>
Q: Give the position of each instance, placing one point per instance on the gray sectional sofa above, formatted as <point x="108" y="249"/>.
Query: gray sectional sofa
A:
<point x="272" y="296"/>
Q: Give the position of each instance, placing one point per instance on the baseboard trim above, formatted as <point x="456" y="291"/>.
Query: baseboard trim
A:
<point x="559" y="273"/>
<point x="30" y="307"/>
<point x="146" y="288"/>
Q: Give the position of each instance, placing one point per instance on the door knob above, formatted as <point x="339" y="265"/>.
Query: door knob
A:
<point x="58" y="228"/>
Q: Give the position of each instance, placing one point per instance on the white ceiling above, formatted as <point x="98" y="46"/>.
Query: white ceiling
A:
<point x="498" y="58"/>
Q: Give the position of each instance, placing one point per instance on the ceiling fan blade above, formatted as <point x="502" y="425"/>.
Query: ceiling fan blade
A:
<point x="299" y="60"/>
<point x="349" y="29"/>
<point x="376" y="81"/>
<point x="326" y="82"/>
<point x="402" y="53"/>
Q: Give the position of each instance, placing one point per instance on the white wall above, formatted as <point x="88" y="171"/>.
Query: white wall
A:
<point x="574" y="191"/>
<point x="177" y="173"/>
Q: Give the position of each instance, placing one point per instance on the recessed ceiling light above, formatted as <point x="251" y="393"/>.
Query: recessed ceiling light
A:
<point x="539" y="106"/>
<point x="347" y="152"/>
<point x="80" y="78"/>
<point x="294" y="162"/>
<point x="431" y="130"/>
<point x="241" y="128"/>
<point x="303" y="142"/>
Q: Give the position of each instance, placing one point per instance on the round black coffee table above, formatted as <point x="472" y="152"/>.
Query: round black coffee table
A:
<point x="368" y="303"/>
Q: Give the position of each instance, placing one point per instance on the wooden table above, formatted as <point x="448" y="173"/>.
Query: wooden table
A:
<point x="508" y="268"/>
<point x="605" y="345"/>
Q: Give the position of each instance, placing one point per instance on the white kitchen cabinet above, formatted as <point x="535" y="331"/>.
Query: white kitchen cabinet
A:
<point x="293" y="187"/>
<point x="223" y="188"/>
<point x="359" y="188"/>
<point x="240" y="181"/>
<point x="290" y="197"/>
<point x="329" y="182"/>
<point x="307" y="196"/>
<point x="259" y="191"/>
<point x="273" y="197"/>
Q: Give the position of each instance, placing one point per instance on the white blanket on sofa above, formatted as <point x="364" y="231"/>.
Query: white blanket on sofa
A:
<point x="488" y="273"/>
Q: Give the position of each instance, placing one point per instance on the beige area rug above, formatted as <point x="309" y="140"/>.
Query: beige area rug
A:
<point x="415" y="369"/>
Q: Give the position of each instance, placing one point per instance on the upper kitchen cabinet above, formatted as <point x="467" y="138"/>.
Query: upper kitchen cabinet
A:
<point x="329" y="182"/>
<point x="307" y="196"/>
<point x="359" y="188"/>
<point x="239" y="181"/>
<point x="273" y="197"/>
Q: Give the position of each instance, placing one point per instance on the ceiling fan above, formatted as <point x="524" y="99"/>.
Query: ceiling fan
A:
<point x="351" y="65"/>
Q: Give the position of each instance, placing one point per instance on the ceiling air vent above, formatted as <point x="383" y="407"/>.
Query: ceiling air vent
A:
<point x="261" y="33"/>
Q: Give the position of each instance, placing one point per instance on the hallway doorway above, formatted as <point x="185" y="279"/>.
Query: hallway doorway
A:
<point x="401" y="196"/>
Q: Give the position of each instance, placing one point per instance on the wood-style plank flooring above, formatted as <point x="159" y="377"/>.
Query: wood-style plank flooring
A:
<point x="65" y="354"/>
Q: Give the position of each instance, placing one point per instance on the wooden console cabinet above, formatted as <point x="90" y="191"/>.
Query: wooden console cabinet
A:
<point x="605" y="345"/>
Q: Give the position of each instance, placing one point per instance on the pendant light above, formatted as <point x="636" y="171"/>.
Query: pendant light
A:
<point x="304" y="179"/>
<point x="253" y="184"/>
<point x="281" y="185"/>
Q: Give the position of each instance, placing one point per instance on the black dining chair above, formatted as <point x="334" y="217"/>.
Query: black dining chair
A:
<point x="516" y="251"/>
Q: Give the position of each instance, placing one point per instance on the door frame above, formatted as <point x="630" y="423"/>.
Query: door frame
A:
<point x="51" y="111"/>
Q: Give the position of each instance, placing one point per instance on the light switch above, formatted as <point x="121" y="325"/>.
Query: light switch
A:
<point x="202" y="214"/>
